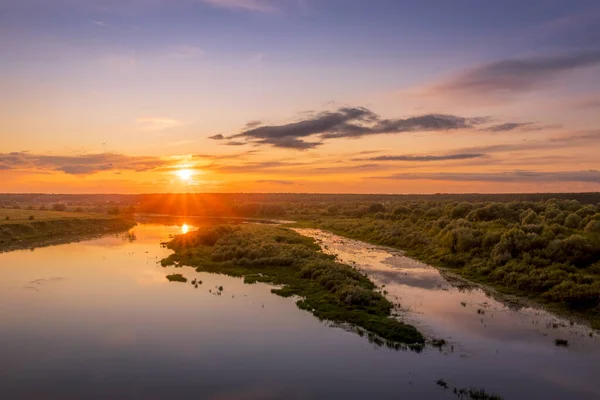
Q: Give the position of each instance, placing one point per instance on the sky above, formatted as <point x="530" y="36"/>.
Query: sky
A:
<point x="327" y="96"/>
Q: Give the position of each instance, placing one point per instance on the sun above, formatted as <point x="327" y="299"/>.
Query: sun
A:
<point x="185" y="174"/>
<point x="185" y="228"/>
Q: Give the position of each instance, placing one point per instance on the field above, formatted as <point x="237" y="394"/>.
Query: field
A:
<point x="33" y="228"/>
<point x="19" y="216"/>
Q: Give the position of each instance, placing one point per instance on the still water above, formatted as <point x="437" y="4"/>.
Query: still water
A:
<point x="98" y="319"/>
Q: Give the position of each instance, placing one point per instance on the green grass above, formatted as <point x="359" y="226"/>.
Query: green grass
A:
<point x="53" y="227"/>
<point x="564" y="285"/>
<point x="276" y="255"/>
<point x="21" y="215"/>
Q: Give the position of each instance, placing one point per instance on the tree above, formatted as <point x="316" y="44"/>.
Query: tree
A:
<point x="530" y="217"/>
<point x="572" y="221"/>
<point x="592" y="227"/>
<point x="376" y="207"/>
<point x="59" y="207"/>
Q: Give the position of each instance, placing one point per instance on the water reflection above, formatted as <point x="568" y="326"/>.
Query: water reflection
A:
<point x="112" y="326"/>
<point x="185" y="229"/>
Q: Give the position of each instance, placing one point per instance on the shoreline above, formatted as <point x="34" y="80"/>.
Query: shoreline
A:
<point x="508" y="296"/>
<point x="32" y="234"/>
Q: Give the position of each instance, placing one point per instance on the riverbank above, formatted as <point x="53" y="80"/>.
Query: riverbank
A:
<point x="23" y="229"/>
<point x="329" y="290"/>
<point x="426" y="250"/>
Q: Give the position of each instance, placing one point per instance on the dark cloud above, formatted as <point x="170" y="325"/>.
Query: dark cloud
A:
<point x="509" y="126"/>
<point x="348" y="168"/>
<point x="217" y="137"/>
<point x="275" y="182"/>
<point x="235" y="143"/>
<point x="289" y="143"/>
<point x="459" y="156"/>
<point x="591" y="176"/>
<point x="517" y="75"/>
<point x="350" y="122"/>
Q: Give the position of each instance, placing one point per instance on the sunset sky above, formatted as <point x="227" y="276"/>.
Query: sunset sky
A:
<point x="337" y="96"/>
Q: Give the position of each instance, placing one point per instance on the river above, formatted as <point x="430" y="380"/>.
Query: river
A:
<point x="98" y="319"/>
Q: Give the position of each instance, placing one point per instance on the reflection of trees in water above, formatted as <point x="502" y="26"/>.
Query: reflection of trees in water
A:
<point x="129" y="237"/>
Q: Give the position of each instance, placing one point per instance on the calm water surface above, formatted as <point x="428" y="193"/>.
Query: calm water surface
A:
<point x="98" y="319"/>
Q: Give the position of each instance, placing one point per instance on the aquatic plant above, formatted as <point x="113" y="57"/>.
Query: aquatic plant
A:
<point x="176" y="278"/>
<point x="561" y="342"/>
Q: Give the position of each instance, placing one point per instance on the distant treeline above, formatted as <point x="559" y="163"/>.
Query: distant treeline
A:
<point x="267" y="204"/>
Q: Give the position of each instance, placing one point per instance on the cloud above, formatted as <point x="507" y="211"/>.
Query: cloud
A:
<point x="426" y="158"/>
<point x="591" y="176"/>
<point x="275" y="182"/>
<point x="258" y="166"/>
<point x="586" y="138"/>
<point x="217" y="137"/>
<point x="350" y="168"/>
<point x="587" y="102"/>
<point x="252" y="124"/>
<point x="83" y="169"/>
<point x="185" y="51"/>
<point x="349" y="122"/>
<point x="235" y="143"/>
<point x="515" y="75"/>
<point x="79" y="164"/>
<point x="509" y="126"/>
<point x="157" y="124"/>
<point x="248" y="5"/>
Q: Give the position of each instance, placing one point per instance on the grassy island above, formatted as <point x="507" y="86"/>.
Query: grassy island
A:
<point x="277" y="255"/>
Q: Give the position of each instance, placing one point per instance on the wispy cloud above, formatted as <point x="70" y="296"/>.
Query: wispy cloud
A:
<point x="425" y="158"/>
<point x="510" y="126"/>
<point x="185" y="51"/>
<point x="156" y="123"/>
<point x="264" y="6"/>
<point x="586" y="138"/>
<point x="587" y="102"/>
<point x="80" y="164"/>
<point x="85" y="164"/>
<point x="512" y="76"/>
<point x="275" y="182"/>
<point x="591" y="176"/>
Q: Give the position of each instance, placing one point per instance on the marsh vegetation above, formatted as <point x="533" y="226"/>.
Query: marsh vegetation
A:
<point x="277" y="255"/>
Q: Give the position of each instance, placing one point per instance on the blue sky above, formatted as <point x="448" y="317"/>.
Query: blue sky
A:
<point x="152" y="78"/>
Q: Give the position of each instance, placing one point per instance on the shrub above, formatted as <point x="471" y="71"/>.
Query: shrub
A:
<point x="572" y="221"/>
<point x="592" y="227"/>
<point x="59" y="207"/>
